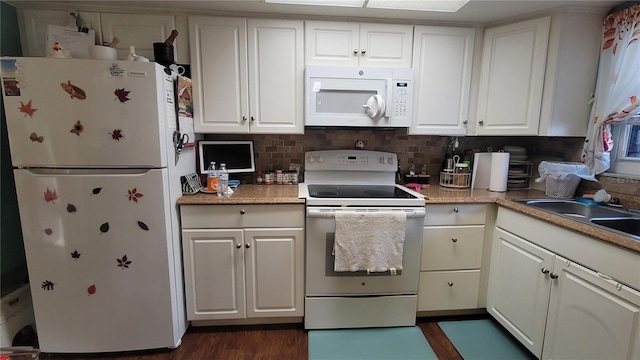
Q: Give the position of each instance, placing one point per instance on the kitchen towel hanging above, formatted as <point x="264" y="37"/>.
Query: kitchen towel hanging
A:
<point x="372" y="241"/>
<point x="499" y="171"/>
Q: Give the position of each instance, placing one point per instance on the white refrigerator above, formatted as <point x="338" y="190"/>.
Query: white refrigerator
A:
<point x="97" y="182"/>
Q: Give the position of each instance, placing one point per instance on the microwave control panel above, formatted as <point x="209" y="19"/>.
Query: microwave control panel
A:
<point x="400" y="97"/>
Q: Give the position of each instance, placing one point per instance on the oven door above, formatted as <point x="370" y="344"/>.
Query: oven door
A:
<point x="322" y="280"/>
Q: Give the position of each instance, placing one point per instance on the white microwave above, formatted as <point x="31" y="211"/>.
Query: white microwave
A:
<point x="358" y="96"/>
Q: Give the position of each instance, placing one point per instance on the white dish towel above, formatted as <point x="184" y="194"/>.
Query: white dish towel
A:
<point x="371" y="241"/>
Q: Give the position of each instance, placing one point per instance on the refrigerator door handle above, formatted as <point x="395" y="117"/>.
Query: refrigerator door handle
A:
<point x="62" y="172"/>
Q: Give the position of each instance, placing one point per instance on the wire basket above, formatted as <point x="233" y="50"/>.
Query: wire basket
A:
<point x="561" y="188"/>
<point x="455" y="180"/>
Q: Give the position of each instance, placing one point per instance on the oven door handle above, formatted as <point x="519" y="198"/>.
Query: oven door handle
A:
<point x="331" y="213"/>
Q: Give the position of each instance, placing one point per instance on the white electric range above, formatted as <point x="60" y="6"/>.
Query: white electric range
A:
<point x="360" y="181"/>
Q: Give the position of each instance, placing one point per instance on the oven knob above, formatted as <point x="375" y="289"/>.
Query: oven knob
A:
<point x="382" y="160"/>
<point x="390" y="160"/>
<point x="320" y="159"/>
<point x="311" y="159"/>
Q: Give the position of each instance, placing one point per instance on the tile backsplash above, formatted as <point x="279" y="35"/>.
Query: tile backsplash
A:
<point x="278" y="151"/>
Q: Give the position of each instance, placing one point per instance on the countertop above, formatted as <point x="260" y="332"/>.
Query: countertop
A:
<point x="434" y="194"/>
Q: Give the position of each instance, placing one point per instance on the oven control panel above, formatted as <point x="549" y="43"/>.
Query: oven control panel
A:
<point x="352" y="160"/>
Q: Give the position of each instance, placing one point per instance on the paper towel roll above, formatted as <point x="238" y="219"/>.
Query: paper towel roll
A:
<point x="499" y="171"/>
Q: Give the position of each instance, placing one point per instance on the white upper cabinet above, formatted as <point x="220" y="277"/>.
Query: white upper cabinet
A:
<point x="33" y="27"/>
<point x="512" y="78"/>
<point x="442" y="64"/>
<point x="570" y="80"/>
<point x="358" y="44"/>
<point x="538" y="76"/>
<point x="137" y="30"/>
<point x="247" y="75"/>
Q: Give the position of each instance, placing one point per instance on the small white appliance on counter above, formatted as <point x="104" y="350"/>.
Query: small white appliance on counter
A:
<point x="359" y="183"/>
<point x="97" y="179"/>
<point x="358" y="96"/>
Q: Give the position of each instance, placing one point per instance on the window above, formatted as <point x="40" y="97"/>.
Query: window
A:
<point x="625" y="159"/>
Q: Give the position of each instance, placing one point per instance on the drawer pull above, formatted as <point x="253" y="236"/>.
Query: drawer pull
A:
<point x="544" y="271"/>
<point x="454" y="239"/>
<point x="242" y="212"/>
<point x="450" y="283"/>
<point x="455" y="210"/>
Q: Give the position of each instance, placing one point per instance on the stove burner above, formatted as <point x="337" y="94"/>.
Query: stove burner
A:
<point x="378" y="193"/>
<point x="326" y="194"/>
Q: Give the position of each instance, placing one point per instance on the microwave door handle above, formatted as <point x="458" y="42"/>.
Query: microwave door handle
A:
<point x="389" y="97"/>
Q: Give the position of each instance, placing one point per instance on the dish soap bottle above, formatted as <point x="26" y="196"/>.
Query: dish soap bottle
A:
<point x="223" y="183"/>
<point x="212" y="177"/>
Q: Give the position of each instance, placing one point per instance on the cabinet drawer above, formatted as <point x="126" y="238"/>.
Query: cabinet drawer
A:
<point x="241" y="216"/>
<point x="448" y="290"/>
<point x="452" y="248"/>
<point x="455" y="214"/>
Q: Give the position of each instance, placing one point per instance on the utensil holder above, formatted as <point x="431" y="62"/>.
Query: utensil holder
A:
<point x="455" y="180"/>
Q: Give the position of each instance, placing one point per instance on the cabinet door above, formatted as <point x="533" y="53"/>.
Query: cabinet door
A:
<point x="137" y="30"/>
<point x="274" y="260"/>
<point x="214" y="274"/>
<point x="276" y="70"/>
<point x="591" y="316"/>
<point x="386" y="45"/>
<point x="512" y="78"/>
<point x="33" y="28"/>
<point x="219" y="74"/>
<point x="331" y="43"/>
<point x="442" y="61"/>
<point x="519" y="287"/>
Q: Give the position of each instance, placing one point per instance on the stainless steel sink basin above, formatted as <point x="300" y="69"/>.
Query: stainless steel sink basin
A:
<point x="576" y="209"/>
<point x="625" y="225"/>
<point x="619" y="221"/>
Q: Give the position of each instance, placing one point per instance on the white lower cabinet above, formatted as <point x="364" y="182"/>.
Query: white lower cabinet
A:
<point x="452" y="247"/>
<point x="238" y="264"/>
<point x="557" y="308"/>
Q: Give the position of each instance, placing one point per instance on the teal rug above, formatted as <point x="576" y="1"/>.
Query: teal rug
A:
<point x="482" y="339"/>
<point x="373" y="343"/>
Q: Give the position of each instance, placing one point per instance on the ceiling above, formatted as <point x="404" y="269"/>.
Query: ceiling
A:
<point x="474" y="12"/>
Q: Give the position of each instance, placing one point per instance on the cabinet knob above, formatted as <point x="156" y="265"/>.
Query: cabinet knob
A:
<point x="450" y="283"/>
<point x="242" y="212"/>
<point x="455" y="210"/>
<point x="454" y="239"/>
<point x="363" y="51"/>
<point x="544" y="271"/>
<point x="244" y="118"/>
<point x="238" y="246"/>
<point x="553" y="276"/>
<point x="253" y="118"/>
<point x="465" y="122"/>
<point x="355" y="51"/>
<point x="481" y="122"/>
<point x="247" y="245"/>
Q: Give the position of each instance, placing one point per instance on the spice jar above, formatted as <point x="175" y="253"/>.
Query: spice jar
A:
<point x="279" y="176"/>
<point x="268" y="177"/>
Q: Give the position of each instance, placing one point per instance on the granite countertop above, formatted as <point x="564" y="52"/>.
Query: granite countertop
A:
<point x="247" y="194"/>
<point x="434" y="194"/>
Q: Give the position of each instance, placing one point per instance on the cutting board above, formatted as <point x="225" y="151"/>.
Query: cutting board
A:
<point x="481" y="171"/>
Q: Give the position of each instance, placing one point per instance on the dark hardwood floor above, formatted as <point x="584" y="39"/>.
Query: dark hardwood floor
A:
<point x="253" y="342"/>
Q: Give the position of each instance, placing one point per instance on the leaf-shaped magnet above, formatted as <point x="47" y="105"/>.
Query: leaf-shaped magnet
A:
<point x="71" y="208"/>
<point x="75" y="254"/>
<point x="96" y="191"/>
<point x="122" y="94"/>
<point x="50" y="196"/>
<point x="91" y="289"/>
<point x="143" y="226"/>
<point x="124" y="262"/>
<point x="48" y="231"/>
<point x="104" y="228"/>
<point x="47" y="285"/>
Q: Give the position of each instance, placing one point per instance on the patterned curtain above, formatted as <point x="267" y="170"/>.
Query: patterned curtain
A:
<point x="618" y="85"/>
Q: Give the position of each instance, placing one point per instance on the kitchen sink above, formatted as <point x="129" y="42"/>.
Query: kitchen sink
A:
<point x="625" y="225"/>
<point x="616" y="220"/>
<point x="575" y="209"/>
